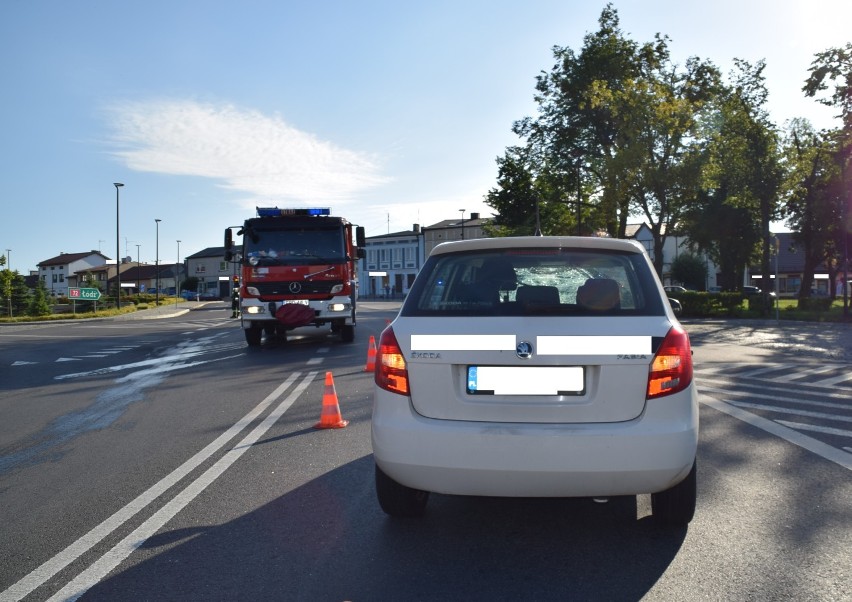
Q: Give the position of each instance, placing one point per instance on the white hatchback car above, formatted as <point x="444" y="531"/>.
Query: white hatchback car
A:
<point x="536" y="367"/>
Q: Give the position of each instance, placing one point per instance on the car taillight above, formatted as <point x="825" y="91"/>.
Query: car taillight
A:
<point x="391" y="373"/>
<point x="671" y="368"/>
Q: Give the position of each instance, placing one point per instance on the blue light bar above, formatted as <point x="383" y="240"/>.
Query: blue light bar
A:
<point x="276" y="212"/>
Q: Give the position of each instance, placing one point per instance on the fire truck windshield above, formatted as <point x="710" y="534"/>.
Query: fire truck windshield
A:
<point x="300" y="246"/>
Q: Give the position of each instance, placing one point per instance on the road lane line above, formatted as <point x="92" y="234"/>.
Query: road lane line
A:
<point x="101" y="568"/>
<point x="809" y="414"/>
<point x="50" y="568"/>
<point x="826" y="430"/>
<point x="795" y="400"/>
<point x="796" y="438"/>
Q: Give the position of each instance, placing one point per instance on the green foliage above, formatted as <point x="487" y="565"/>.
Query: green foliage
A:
<point x="38" y="304"/>
<point x="729" y="218"/>
<point x="190" y="284"/>
<point x="817" y="304"/>
<point x="704" y="305"/>
<point x="833" y="67"/>
<point x="690" y="270"/>
<point x="814" y="197"/>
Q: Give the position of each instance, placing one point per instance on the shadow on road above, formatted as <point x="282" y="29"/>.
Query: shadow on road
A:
<point x="328" y="540"/>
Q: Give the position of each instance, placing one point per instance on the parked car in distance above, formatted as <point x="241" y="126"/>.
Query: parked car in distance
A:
<point x="674" y="289"/>
<point x="208" y="296"/>
<point x="190" y="295"/>
<point x="750" y="291"/>
<point x="536" y="367"/>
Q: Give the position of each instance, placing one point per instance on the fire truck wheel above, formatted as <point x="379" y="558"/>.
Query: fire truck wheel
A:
<point x="253" y="336"/>
<point x="347" y="333"/>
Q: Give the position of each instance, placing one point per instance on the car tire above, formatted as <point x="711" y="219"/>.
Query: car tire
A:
<point x="253" y="336"/>
<point x="398" y="500"/>
<point x="676" y="506"/>
<point x="347" y="333"/>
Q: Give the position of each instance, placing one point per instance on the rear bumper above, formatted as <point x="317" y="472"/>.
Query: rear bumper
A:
<point x="645" y="455"/>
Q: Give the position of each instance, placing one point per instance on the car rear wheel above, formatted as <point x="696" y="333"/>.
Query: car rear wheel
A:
<point x="399" y="500"/>
<point x="676" y="506"/>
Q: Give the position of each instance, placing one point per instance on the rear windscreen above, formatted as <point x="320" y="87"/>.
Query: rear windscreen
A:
<point x="535" y="281"/>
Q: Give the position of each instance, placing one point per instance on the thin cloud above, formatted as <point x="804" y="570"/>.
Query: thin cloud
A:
<point x="246" y="151"/>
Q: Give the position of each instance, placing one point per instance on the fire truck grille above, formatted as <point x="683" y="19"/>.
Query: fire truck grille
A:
<point x="296" y="287"/>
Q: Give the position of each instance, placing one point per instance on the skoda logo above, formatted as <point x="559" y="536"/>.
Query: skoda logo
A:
<point x="295" y="287"/>
<point x="524" y="350"/>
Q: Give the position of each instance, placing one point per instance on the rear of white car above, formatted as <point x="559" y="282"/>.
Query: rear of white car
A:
<point x="536" y="367"/>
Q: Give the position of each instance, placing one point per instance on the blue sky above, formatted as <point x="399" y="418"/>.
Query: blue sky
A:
<point x="391" y="113"/>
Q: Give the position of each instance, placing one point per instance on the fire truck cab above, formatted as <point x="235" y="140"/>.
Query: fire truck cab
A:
<point x="298" y="267"/>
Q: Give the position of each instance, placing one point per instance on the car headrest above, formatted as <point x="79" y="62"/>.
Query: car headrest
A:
<point x="599" y="294"/>
<point x="497" y="271"/>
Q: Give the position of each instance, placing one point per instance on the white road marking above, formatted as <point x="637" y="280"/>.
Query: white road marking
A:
<point x="87" y="579"/>
<point x="764" y="370"/>
<point x="830" y="382"/>
<point x="809" y="414"/>
<point x="796" y="438"/>
<point x="827" y="430"/>
<point x="796" y="400"/>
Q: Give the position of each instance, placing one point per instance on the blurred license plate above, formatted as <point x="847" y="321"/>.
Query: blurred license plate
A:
<point x="300" y="302"/>
<point x="525" y="380"/>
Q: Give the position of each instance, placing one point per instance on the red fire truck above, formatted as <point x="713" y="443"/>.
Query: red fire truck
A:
<point x="298" y="268"/>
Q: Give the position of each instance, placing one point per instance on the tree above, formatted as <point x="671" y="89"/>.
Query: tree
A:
<point x="616" y="126"/>
<point x="729" y="219"/>
<point x="833" y="68"/>
<point x="190" y="284"/>
<point x="690" y="270"/>
<point x="38" y="303"/>
<point x="6" y="277"/>
<point x="812" y="198"/>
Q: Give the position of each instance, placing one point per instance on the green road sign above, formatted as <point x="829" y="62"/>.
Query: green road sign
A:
<point x="84" y="294"/>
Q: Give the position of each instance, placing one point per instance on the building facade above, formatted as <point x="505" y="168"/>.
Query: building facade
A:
<point x="391" y="264"/>
<point x="56" y="271"/>
<point x="215" y="275"/>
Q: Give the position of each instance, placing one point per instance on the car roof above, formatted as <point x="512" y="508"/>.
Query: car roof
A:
<point x="548" y="242"/>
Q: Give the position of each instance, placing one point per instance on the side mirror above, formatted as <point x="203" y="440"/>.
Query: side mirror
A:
<point x="360" y="237"/>
<point x="362" y="253"/>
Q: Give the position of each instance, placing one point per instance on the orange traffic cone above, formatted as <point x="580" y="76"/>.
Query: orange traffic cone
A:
<point x="371" y="356"/>
<point x="330" y="418"/>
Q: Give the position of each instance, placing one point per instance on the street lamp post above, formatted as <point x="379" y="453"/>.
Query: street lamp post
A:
<point x="138" y="269"/>
<point x="462" y="222"/>
<point x="177" y="277"/>
<point x="157" y="259"/>
<point x="117" y="251"/>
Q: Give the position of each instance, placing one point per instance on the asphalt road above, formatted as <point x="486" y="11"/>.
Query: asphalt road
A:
<point x="163" y="460"/>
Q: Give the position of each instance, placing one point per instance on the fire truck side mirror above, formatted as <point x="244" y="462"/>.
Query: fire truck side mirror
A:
<point x="360" y="238"/>
<point x="229" y="245"/>
<point x="362" y="253"/>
